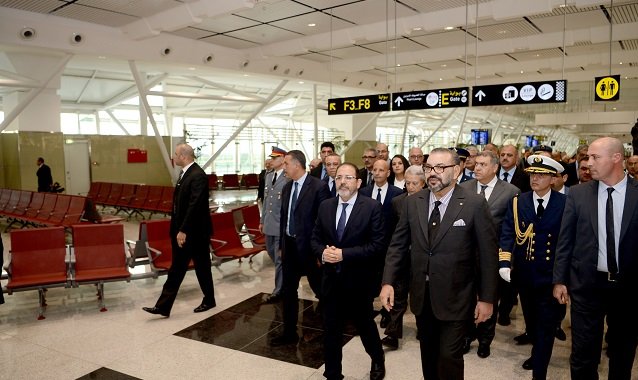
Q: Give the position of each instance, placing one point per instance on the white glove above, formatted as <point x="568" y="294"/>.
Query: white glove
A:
<point x="505" y="274"/>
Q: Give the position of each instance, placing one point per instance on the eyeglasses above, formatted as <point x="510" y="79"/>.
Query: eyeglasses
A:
<point x="439" y="169"/>
<point x="345" y="178"/>
<point x="417" y="156"/>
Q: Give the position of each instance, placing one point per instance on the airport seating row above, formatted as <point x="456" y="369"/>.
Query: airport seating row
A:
<point x="233" y="181"/>
<point x="132" y="199"/>
<point x="41" y="259"/>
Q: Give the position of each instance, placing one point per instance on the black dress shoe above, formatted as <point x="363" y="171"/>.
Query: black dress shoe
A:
<point x="504" y="320"/>
<point x="203" y="307"/>
<point x="523" y="339"/>
<point x="377" y="370"/>
<point x="390" y="342"/>
<point x="273" y="298"/>
<point x="466" y="345"/>
<point x="560" y="334"/>
<point x="156" y="310"/>
<point x="284" y="340"/>
<point x="483" y="350"/>
<point x="527" y="364"/>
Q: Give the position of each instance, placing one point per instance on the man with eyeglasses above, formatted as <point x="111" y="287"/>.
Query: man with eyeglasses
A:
<point x="348" y="239"/>
<point x="416" y="156"/>
<point x="365" y="174"/>
<point x="382" y="152"/>
<point x="510" y="172"/>
<point x="320" y="171"/>
<point x="447" y="240"/>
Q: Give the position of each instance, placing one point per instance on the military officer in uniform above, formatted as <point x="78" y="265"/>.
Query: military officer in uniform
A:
<point x="529" y="235"/>
<point x="271" y="214"/>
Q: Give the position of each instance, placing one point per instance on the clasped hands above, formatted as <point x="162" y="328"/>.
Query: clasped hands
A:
<point x="332" y="254"/>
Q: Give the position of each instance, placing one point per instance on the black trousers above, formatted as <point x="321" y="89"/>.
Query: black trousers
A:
<point x="395" y="326"/>
<point x="198" y="250"/>
<point x="589" y="307"/>
<point x="340" y="305"/>
<point x="295" y="265"/>
<point x="484" y="332"/>
<point x="541" y="311"/>
<point x="441" y="344"/>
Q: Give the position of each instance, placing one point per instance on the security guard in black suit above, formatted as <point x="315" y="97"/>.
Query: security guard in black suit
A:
<point x="529" y="235"/>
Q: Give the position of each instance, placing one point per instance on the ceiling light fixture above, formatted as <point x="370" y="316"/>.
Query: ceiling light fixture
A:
<point x="312" y="24"/>
<point x="448" y="28"/>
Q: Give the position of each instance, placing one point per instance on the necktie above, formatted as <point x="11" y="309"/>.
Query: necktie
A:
<point x="505" y="175"/>
<point x="379" y="196"/>
<point x="612" y="266"/>
<point x="471" y="174"/>
<point x="181" y="174"/>
<point x="435" y="220"/>
<point x="369" y="178"/>
<point x="540" y="209"/>
<point x="333" y="188"/>
<point x="483" y="187"/>
<point x="291" y="220"/>
<point x="341" y="225"/>
<point x="274" y="179"/>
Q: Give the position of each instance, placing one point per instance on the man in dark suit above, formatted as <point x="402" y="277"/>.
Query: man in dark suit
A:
<point x="414" y="182"/>
<point x="321" y="171"/>
<point x="446" y="237"/>
<point x="332" y="162"/>
<point x="365" y="173"/>
<point x="572" y="169"/>
<point x="597" y="264"/>
<point x="511" y="173"/>
<point x="463" y="155"/>
<point x="300" y="201"/>
<point x="45" y="180"/>
<point x="190" y="231"/>
<point x="499" y="195"/>
<point x="348" y="239"/>
<point x="527" y="244"/>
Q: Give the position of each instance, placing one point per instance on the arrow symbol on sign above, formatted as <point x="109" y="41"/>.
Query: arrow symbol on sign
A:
<point x="480" y="95"/>
<point x="332" y="107"/>
<point x="398" y="101"/>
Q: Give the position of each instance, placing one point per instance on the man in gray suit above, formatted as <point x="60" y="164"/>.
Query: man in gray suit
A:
<point x="447" y="238"/>
<point x="271" y="214"/>
<point x="596" y="265"/>
<point x="498" y="195"/>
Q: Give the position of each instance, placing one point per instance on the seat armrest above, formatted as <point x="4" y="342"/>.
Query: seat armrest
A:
<point x="152" y="252"/>
<point x="216" y="244"/>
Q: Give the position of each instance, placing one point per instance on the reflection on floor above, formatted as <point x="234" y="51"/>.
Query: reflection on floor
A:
<point x="250" y="325"/>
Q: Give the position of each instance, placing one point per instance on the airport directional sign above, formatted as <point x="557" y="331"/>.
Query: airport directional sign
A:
<point x="423" y="99"/>
<point x="520" y="93"/>
<point x="359" y="104"/>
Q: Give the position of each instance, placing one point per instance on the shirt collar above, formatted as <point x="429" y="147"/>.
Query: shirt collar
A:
<point x="350" y="201"/>
<point x="185" y="168"/>
<point x="545" y="198"/>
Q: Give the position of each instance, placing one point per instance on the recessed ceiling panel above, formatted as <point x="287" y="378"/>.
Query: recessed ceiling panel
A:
<point x="572" y="21"/>
<point x="41" y="6"/>
<point x="264" y="34"/>
<point x="317" y="57"/>
<point x="504" y="30"/>
<point x="350" y="52"/>
<point x="95" y="15"/>
<point x="326" y="4"/>
<point x="443" y="39"/>
<point x="425" y="6"/>
<point x="401" y="45"/>
<point x="625" y="13"/>
<point x="139" y="8"/>
<point x="230" y="42"/>
<point x="266" y="12"/>
<point x="531" y="55"/>
<point x="312" y="23"/>
<point x="372" y="11"/>
<point x="225" y="23"/>
<point x="192" y="33"/>
<point x="444" y="65"/>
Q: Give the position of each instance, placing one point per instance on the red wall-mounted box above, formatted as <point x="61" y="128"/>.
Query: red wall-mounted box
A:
<point x="137" y="155"/>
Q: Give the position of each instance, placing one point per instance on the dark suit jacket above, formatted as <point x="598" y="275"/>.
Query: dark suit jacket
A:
<point x="316" y="172"/>
<point x="461" y="262"/>
<point x="191" y="214"/>
<point x="262" y="184"/>
<point x="333" y="191"/>
<point x="572" y="174"/>
<point x="313" y="192"/>
<point x="500" y="199"/>
<point x="577" y="252"/>
<point x="535" y="270"/>
<point x="389" y="217"/>
<point x="45" y="180"/>
<point x="362" y="245"/>
<point x="520" y="179"/>
<point x="363" y="174"/>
